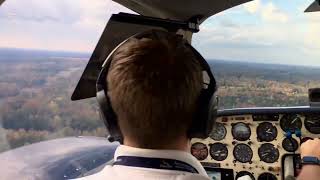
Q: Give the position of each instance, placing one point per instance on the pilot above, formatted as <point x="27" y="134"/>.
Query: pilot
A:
<point x="152" y="85"/>
<point x="154" y="82"/>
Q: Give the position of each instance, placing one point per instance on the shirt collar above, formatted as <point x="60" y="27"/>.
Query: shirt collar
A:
<point x="123" y="150"/>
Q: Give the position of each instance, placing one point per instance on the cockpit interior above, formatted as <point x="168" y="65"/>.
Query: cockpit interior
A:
<point x="263" y="143"/>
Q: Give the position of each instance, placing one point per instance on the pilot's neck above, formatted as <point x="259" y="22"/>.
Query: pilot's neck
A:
<point x="181" y="144"/>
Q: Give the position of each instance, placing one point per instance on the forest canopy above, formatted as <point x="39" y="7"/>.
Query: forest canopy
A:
<point x="35" y="95"/>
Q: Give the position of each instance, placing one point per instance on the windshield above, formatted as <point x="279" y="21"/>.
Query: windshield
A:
<point x="262" y="54"/>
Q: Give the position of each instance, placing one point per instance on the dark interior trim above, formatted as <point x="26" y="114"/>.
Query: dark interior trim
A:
<point x="269" y="110"/>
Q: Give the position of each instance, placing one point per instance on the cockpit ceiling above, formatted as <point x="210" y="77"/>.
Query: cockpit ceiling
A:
<point x="314" y="7"/>
<point x="179" y="9"/>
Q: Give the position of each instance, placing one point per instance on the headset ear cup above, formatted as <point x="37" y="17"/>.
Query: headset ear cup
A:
<point x="109" y="117"/>
<point x="205" y="116"/>
<point x="212" y="113"/>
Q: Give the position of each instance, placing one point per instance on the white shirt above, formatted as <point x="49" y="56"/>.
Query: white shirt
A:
<point x="119" y="172"/>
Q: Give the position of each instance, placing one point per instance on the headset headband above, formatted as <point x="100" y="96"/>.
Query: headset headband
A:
<point x="207" y="107"/>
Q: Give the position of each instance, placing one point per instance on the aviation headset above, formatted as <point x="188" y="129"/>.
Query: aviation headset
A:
<point x="206" y="113"/>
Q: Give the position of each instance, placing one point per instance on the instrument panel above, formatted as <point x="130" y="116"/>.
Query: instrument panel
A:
<point x="255" y="144"/>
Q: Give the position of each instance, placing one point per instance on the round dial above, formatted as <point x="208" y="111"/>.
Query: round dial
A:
<point x="267" y="132"/>
<point x="219" y="151"/>
<point x="268" y="153"/>
<point x="241" y="131"/>
<point x="267" y="176"/>
<point x="290" y="122"/>
<point x="244" y="173"/>
<point x="290" y="144"/>
<point x="200" y="151"/>
<point x="219" y="132"/>
<point x="312" y="123"/>
<point x="242" y="153"/>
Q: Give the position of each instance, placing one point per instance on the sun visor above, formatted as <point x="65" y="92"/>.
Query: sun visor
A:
<point x="181" y="10"/>
<point x="120" y="27"/>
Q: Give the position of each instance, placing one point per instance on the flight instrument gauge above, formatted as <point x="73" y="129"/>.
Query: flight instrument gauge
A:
<point x="219" y="132"/>
<point x="268" y="153"/>
<point x="242" y="153"/>
<point x="312" y="123"/>
<point x="241" y="131"/>
<point x="267" y="176"/>
<point x="290" y="144"/>
<point x="219" y="151"/>
<point x="199" y="151"/>
<point x="290" y="122"/>
<point x="266" y="131"/>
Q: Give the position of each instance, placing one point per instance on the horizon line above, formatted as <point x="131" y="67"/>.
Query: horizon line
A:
<point x="208" y="59"/>
<point x="48" y="50"/>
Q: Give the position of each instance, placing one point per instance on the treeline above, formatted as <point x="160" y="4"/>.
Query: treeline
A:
<point x="36" y="106"/>
<point x="263" y="85"/>
<point x="35" y="96"/>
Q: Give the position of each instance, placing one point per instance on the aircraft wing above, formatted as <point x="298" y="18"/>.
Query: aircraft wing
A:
<point x="180" y="9"/>
<point x="314" y="7"/>
<point x="66" y="158"/>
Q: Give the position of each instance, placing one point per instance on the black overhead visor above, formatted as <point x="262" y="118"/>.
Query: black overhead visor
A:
<point x="182" y="15"/>
<point x="119" y="28"/>
<point x="314" y="7"/>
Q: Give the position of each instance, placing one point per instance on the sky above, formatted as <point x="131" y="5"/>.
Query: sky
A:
<point x="267" y="31"/>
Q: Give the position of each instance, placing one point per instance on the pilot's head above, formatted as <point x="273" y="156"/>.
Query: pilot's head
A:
<point x="154" y="87"/>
